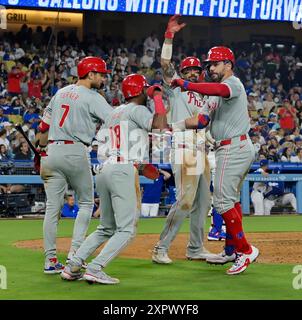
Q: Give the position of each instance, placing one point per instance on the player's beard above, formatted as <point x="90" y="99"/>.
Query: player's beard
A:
<point x="96" y="85"/>
<point x="192" y="78"/>
<point x="216" y="77"/>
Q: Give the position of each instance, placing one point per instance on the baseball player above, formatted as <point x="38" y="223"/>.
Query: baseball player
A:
<point x="259" y="188"/>
<point x="234" y="154"/>
<point x="70" y="122"/>
<point x="192" y="190"/>
<point x="275" y="192"/>
<point x="118" y="177"/>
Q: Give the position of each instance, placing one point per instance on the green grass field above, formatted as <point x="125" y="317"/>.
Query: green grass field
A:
<point x="141" y="279"/>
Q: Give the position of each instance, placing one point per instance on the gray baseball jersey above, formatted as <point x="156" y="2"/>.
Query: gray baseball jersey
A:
<point x="183" y="104"/>
<point x="117" y="184"/>
<point x="231" y="118"/>
<point x="127" y="136"/>
<point x="74" y="112"/>
<point x="192" y="190"/>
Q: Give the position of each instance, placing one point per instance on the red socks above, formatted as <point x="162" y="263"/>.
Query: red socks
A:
<point x="235" y="234"/>
<point x="238" y="208"/>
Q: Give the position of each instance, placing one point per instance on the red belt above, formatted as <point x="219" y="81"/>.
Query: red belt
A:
<point x="63" y="141"/>
<point x="229" y="141"/>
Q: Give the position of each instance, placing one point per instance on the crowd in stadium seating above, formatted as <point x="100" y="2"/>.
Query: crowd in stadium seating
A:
<point x="33" y="66"/>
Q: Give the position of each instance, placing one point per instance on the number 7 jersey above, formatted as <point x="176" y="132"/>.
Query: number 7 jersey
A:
<point x="74" y="112"/>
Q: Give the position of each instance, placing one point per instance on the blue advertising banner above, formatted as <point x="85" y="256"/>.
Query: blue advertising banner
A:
<point x="279" y="10"/>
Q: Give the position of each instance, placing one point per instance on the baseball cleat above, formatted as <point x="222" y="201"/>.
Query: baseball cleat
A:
<point x="99" y="277"/>
<point x="242" y="261"/>
<point x="203" y="255"/>
<point x="53" y="266"/>
<point x="221" y="258"/>
<point x="215" y="235"/>
<point x="70" y="256"/>
<point x="84" y="265"/>
<point x="161" y="257"/>
<point x="71" y="272"/>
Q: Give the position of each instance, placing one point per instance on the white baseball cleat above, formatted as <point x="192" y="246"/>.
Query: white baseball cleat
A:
<point x="99" y="277"/>
<point x="202" y="255"/>
<point x="221" y="258"/>
<point x="53" y="266"/>
<point x="161" y="257"/>
<point x="70" y="256"/>
<point x="242" y="261"/>
<point x="71" y="272"/>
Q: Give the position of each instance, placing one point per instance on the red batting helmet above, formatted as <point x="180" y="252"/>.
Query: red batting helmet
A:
<point x="190" y="62"/>
<point x="133" y="85"/>
<point x="94" y="64"/>
<point x="220" y="54"/>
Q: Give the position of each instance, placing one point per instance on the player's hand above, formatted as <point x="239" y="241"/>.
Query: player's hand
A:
<point x="154" y="90"/>
<point x="37" y="163"/>
<point x="174" y="26"/>
<point x="41" y="152"/>
<point x="177" y="83"/>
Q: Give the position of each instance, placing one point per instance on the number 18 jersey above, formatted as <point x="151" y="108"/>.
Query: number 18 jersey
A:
<point x="125" y="133"/>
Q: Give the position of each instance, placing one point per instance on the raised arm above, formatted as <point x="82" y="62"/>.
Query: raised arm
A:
<point x="159" y="118"/>
<point x="209" y="89"/>
<point x="167" y="49"/>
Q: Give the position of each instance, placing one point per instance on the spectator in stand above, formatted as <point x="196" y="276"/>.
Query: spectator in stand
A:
<point x="287" y="117"/>
<point x="32" y="117"/>
<point x="298" y="157"/>
<point x="35" y="87"/>
<point x="14" y="80"/>
<point x="261" y="156"/>
<point x="4" y="155"/>
<point x="286" y="154"/>
<point x="273" y="121"/>
<point x="158" y="78"/>
<point x="3" y="138"/>
<point x="280" y="134"/>
<point x="263" y="150"/>
<point x="123" y="59"/>
<point x="156" y="63"/>
<point x="298" y="142"/>
<point x="151" y="43"/>
<point x="272" y="154"/>
<point x="3" y="118"/>
<point x="268" y="104"/>
<point x="254" y="102"/>
<point x="17" y="105"/>
<point x="147" y="59"/>
<point x="255" y="140"/>
<point x="114" y="96"/>
<point x="24" y="152"/>
<point x="18" y="52"/>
